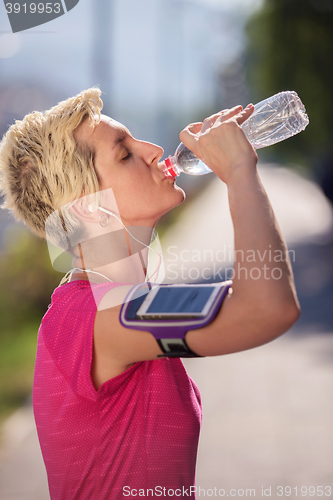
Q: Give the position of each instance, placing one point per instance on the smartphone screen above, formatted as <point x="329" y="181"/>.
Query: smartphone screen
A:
<point x="178" y="301"/>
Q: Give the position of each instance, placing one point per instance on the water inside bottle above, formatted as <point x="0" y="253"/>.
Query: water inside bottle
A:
<point x="189" y="163"/>
<point x="273" y="120"/>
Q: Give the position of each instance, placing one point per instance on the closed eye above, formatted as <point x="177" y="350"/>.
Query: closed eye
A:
<point x="127" y="157"/>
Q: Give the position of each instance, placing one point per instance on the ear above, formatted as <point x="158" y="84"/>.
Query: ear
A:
<point x="85" y="211"/>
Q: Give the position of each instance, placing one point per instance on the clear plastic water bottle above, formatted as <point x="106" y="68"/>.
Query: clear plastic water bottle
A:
<point x="273" y="120"/>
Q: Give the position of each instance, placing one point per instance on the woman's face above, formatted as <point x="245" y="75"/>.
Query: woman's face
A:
<point x="129" y="166"/>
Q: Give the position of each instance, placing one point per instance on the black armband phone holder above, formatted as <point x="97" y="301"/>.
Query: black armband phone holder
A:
<point x="169" y="333"/>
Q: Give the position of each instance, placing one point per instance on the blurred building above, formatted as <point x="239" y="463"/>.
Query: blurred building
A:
<point x="160" y="64"/>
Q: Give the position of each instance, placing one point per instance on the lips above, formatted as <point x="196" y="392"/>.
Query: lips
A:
<point x="165" y="171"/>
<point x="167" y="176"/>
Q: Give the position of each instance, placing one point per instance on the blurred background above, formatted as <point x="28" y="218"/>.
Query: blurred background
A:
<point x="162" y="64"/>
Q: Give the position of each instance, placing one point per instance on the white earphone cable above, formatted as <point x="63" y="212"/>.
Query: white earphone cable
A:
<point x="68" y="275"/>
<point x="141" y="243"/>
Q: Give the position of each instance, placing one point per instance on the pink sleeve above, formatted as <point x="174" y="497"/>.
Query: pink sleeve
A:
<point x="68" y="330"/>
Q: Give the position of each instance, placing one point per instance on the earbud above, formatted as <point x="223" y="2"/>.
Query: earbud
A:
<point x="91" y="210"/>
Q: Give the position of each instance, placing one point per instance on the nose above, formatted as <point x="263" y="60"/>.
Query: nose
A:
<point x="151" y="152"/>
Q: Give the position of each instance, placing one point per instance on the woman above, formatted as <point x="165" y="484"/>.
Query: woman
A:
<point x="113" y="420"/>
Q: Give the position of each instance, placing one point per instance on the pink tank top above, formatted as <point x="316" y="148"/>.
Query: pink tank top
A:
<point x="138" y="431"/>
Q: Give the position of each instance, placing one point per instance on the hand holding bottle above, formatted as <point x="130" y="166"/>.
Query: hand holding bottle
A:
<point x="220" y="142"/>
<point x="273" y="120"/>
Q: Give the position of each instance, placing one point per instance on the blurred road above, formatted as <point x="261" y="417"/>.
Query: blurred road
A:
<point x="267" y="412"/>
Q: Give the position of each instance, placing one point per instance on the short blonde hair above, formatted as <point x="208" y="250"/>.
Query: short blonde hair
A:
<point x="42" y="168"/>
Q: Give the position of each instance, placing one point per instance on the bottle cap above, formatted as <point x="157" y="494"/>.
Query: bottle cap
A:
<point x="169" y="163"/>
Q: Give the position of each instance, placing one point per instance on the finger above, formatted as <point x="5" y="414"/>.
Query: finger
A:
<point x="229" y="112"/>
<point x="245" y="114"/>
<point x="223" y="115"/>
<point x="189" y="135"/>
<point x="194" y="128"/>
<point x="210" y="120"/>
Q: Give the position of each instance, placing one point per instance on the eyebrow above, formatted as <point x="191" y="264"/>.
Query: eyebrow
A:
<point x="118" y="140"/>
<point x="120" y="137"/>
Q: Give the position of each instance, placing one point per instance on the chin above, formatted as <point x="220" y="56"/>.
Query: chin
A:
<point x="181" y="193"/>
<point x="178" y="198"/>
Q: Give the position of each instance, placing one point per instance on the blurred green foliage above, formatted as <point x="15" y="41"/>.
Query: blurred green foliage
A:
<point x="290" y="48"/>
<point x="27" y="280"/>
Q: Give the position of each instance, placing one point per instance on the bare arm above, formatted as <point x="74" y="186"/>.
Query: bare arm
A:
<point x="263" y="304"/>
<point x="261" y="307"/>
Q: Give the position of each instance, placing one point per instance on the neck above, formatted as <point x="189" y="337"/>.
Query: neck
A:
<point x="117" y="255"/>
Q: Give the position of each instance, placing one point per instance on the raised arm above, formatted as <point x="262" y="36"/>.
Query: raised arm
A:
<point x="261" y="307"/>
<point x="263" y="303"/>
